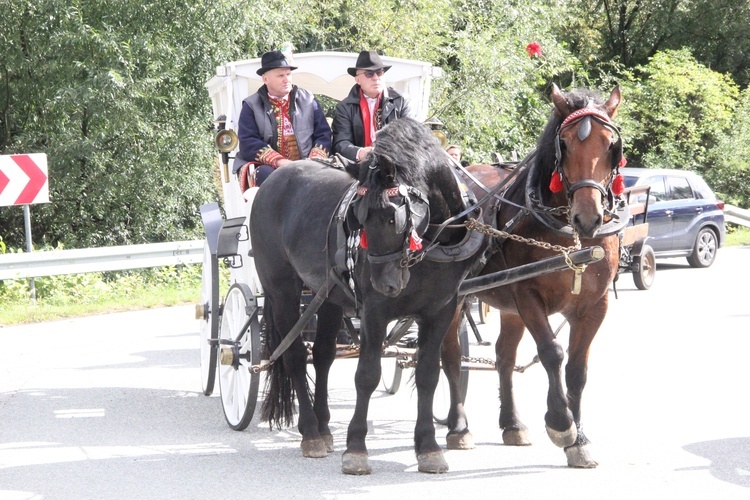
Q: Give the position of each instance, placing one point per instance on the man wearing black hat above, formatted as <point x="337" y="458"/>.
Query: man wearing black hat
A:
<point x="369" y="106"/>
<point x="278" y="124"/>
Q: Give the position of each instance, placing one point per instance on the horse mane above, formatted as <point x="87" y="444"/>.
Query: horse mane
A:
<point x="406" y="148"/>
<point x="544" y="162"/>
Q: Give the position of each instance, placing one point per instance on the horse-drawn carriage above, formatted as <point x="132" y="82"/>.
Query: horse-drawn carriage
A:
<point x="409" y="191"/>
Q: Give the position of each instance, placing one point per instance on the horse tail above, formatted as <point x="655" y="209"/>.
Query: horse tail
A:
<point x="278" y="405"/>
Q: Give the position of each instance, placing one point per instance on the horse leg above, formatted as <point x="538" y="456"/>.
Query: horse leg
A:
<point x="431" y="333"/>
<point x="366" y="379"/>
<point x="459" y="437"/>
<point x="582" y="332"/>
<point x="561" y="428"/>
<point x="324" y="352"/>
<point x="285" y="311"/>
<point x="515" y="433"/>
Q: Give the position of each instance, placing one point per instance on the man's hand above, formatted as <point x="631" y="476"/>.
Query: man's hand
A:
<point x="363" y="153"/>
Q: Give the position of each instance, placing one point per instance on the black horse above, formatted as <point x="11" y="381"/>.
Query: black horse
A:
<point x="401" y="209"/>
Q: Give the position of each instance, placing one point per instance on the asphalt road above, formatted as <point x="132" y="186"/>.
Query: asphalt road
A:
<point x="109" y="407"/>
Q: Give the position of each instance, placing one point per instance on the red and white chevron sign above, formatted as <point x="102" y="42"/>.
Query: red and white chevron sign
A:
<point x="23" y="179"/>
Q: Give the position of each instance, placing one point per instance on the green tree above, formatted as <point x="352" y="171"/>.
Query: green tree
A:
<point x="675" y="111"/>
<point x="727" y="169"/>
<point x="119" y="112"/>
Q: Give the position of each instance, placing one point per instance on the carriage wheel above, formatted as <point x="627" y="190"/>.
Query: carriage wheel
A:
<point x="645" y="268"/>
<point x="240" y="349"/>
<point x="390" y="368"/>
<point x="442" y="401"/>
<point x="208" y="314"/>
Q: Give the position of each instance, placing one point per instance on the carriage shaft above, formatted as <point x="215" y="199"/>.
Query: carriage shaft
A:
<point x="532" y="270"/>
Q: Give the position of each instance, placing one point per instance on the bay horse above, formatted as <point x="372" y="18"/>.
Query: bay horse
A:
<point x="399" y="204"/>
<point x="566" y="188"/>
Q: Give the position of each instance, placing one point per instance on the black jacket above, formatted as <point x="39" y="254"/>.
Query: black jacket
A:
<point x="348" y="128"/>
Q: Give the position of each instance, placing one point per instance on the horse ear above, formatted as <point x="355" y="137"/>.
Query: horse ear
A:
<point x="613" y="102"/>
<point x="387" y="172"/>
<point x="562" y="108"/>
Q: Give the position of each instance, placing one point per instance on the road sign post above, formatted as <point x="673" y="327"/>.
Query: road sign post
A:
<point x="23" y="181"/>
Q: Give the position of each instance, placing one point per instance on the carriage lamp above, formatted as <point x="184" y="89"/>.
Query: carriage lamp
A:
<point x="436" y="126"/>
<point x="225" y="140"/>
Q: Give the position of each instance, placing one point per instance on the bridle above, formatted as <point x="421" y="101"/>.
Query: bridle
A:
<point x="584" y="116"/>
<point x="411" y="218"/>
<point x="615" y="208"/>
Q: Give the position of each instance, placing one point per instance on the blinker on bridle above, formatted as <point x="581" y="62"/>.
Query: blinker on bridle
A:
<point x="584" y="116"/>
<point x="406" y="220"/>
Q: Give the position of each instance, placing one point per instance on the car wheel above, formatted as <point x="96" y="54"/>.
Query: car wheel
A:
<point x="704" y="251"/>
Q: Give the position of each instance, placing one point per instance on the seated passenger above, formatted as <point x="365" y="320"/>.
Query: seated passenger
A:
<point x="279" y="123"/>
<point x="369" y="106"/>
<point x="455" y="152"/>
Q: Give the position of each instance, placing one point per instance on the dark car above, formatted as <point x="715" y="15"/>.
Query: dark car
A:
<point x="684" y="217"/>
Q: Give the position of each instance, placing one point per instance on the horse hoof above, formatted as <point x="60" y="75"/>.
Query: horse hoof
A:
<point x="516" y="437"/>
<point x="433" y="462"/>
<point x="314" y="448"/>
<point x="563" y="438"/>
<point x="579" y="457"/>
<point x="460" y="441"/>
<point x="328" y="440"/>
<point x="356" y="464"/>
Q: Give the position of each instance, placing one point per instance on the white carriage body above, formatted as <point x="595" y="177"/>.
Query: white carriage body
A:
<point x="322" y="73"/>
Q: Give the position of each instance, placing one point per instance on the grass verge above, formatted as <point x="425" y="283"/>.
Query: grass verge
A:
<point x="69" y="296"/>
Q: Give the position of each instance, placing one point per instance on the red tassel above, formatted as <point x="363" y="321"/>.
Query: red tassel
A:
<point x="618" y="185"/>
<point x="415" y="242"/>
<point x="555" y="184"/>
<point x="623" y="162"/>
<point x="363" y="239"/>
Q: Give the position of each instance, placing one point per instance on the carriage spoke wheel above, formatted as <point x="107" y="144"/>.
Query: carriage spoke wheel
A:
<point x="239" y="343"/>
<point x="207" y="312"/>
<point x="441" y="404"/>
<point x="645" y="272"/>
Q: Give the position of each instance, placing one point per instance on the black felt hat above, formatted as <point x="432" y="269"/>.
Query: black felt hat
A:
<point x="272" y="60"/>
<point x="368" y="60"/>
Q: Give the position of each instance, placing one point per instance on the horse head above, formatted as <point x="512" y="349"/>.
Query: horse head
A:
<point x="393" y="207"/>
<point x="588" y="153"/>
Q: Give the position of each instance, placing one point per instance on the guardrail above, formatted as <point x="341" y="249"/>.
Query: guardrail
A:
<point x="736" y="215"/>
<point x="85" y="260"/>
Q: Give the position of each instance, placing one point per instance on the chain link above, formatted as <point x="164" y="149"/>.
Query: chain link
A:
<point x="475" y="225"/>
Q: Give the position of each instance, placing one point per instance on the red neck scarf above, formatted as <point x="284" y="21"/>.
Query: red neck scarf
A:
<point x="367" y="120"/>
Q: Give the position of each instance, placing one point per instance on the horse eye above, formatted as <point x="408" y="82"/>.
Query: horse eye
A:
<point x="392" y="222"/>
